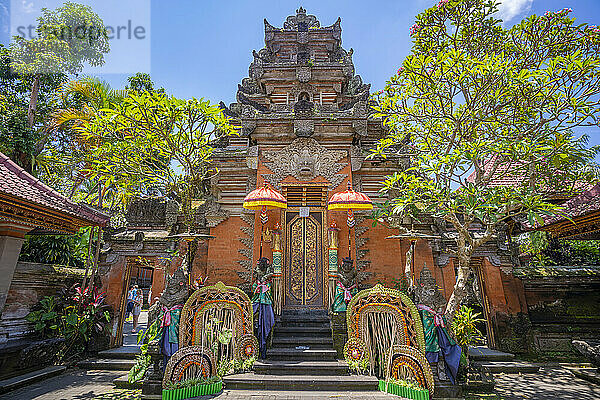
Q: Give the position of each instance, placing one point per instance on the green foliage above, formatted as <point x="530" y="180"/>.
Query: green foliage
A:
<point x="143" y="361"/>
<point x="192" y="382"/>
<point x="405" y="383"/>
<point x="475" y="103"/>
<point x="464" y="326"/>
<point x="56" y="249"/>
<point x="359" y="367"/>
<point x="79" y="317"/>
<point x="546" y="251"/>
<point x="16" y="137"/>
<point x="151" y="143"/>
<point x="141" y="82"/>
<point x="58" y="47"/>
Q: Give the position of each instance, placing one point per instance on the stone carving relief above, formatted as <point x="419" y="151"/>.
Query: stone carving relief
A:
<point x="305" y="159"/>
<point x="360" y="127"/>
<point x="303" y="74"/>
<point x="252" y="157"/>
<point x="213" y="213"/>
<point x="304" y="127"/>
<point x="301" y="21"/>
<point x="356" y="158"/>
<point x="362" y="265"/>
<point x="247" y="240"/>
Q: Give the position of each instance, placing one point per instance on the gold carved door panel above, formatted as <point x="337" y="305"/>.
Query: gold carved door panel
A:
<point x="304" y="260"/>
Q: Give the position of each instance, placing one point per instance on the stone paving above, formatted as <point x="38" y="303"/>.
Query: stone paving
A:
<point x="73" y="385"/>
<point x="551" y="383"/>
<point x="294" y="395"/>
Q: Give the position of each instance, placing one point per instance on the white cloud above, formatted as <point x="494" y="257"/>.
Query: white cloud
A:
<point x="508" y="9"/>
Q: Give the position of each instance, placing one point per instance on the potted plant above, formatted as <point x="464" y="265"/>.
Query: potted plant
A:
<point x="190" y="388"/>
<point x="403" y="388"/>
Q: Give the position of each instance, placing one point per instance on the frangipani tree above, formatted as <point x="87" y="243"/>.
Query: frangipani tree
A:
<point x="151" y="143"/>
<point x="486" y="115"/>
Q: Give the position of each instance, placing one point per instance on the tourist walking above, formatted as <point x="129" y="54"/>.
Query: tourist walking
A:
<point x="137" y="306"/>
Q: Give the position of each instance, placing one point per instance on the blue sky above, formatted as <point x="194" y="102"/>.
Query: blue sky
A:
<point x="203" y="49"/>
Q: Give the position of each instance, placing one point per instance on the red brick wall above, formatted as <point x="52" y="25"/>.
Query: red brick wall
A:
<point x="223" y="256"/>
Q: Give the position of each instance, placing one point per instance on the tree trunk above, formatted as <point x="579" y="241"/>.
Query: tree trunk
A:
<point x="35" y="90"/>
<point x="101" y="191"/>
<point x="460" y="288"/>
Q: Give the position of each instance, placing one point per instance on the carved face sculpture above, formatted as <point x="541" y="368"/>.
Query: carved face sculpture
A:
<point x="306" y="164"/>
<point x="262" y="268"/>
<point x="347" y="265"/>
<point x="427" y="293"/>
<point x="177" y="290"/>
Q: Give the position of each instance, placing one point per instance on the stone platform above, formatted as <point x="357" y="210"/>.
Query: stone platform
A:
<point x="302" y="358"/>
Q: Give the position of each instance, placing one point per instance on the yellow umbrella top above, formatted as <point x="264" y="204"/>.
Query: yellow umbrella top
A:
<point x="264" y="196"/>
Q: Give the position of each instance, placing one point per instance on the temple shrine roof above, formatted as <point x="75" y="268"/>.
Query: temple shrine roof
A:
<point x="580" y="219"/>
<point x="25" y="199"/>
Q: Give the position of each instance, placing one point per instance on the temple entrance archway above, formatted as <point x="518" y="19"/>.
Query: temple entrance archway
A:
<point x="304" y="258"/>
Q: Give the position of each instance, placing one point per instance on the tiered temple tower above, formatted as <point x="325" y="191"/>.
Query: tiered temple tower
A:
<point x="305" y="128"/>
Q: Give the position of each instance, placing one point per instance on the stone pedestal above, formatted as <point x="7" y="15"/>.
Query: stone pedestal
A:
<point x="152" y="384"/>
<point x="339" y="332"/>
<point x="446" y="390"/>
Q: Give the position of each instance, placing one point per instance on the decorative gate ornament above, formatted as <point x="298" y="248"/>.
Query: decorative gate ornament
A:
<point x="194" y="357"/>
<point x="385" y="329"/>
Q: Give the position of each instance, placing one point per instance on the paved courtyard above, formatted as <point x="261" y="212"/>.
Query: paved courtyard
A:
<point x="551" y="383"/>
<point x="75" y="384"/>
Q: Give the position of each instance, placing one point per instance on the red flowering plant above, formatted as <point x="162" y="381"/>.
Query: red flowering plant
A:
<point x="78" y="316"/>
<point x="478" y="103"/>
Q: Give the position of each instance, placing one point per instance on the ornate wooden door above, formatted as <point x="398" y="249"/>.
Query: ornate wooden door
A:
<point x="304" y="260"/>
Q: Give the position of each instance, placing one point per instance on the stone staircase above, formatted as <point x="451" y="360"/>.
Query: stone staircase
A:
<point x="495" y="361"/>
<point x="301" y="358"/>
<point x="118" y="359"/>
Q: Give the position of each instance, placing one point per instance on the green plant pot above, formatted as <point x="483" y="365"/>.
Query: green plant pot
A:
<point x="399" y="390"/>
<point x="192" y="391"/>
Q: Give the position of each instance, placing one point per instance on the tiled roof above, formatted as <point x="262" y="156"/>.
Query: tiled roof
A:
<point x="582" y="204"/>
<point x="17" y="183"/>
<point x="503" y="175"/>
<point x="509" y="175"/>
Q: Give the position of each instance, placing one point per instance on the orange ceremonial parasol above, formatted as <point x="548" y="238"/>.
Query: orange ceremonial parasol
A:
<point x="263" y="199"/>
<point x="350" y="200"/>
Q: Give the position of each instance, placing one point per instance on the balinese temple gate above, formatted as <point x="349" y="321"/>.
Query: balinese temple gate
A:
<point x="304" y="129"/>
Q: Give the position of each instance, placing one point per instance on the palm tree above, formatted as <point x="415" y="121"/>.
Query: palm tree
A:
<point x="82" y="100"/>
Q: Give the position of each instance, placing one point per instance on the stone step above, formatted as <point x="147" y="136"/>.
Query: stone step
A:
<point x="281" y="330"/>
<point x="311" y="341"/>
<point x="304" y="318"/>
<point x="270" y="367"/>
<point x="122" y="382"/>
<point x="482" y="353"/>
<point x="304" y="324"/>
<point x="107" y="364"/>
<point x="123" y="352"/>
<point x="301" y="382"/>
<point x="306" y="311"/>
<point x="507" y="367"/>
<point x="16" y="382"/>
<point x="292" y="354"/>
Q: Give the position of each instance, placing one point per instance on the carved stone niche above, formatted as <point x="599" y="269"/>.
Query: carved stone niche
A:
<point x="153" y="212"/>
<point x="304" y="127"/>
<point x="303" y="74"/>
<point x="360" y="127"/>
